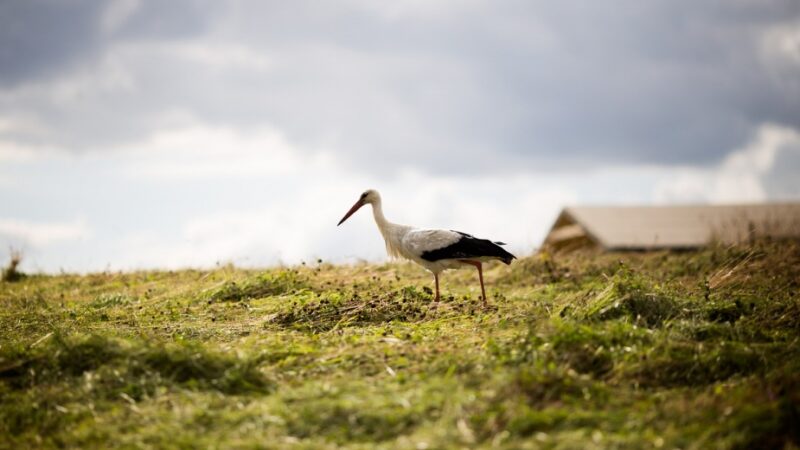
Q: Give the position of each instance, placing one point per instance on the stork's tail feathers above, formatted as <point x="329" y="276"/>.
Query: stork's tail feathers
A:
<point x="502" y="253"/>
<point x="508" y="258"/>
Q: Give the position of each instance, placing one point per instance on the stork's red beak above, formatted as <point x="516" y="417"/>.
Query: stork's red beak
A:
<point x="355" y="207"/>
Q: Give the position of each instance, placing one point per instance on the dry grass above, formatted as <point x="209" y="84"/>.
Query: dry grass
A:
<point x="11" y="273"/>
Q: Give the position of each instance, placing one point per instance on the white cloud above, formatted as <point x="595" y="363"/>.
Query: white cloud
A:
<point x="41" y="234"/>
<point x="185" y="149"/>
<point x="10" y="125"/>
<point x="779" y="52"/>
<point x="201" y="151"/>
<point x="741" y="177"/>
<point x="424" y="9"/>
<point x="13" y="150"/>
<point x="780" y="44"/>
<point x="226" y="56"/>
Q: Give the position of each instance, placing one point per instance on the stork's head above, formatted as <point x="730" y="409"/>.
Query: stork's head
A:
<point x="370" y="196"/>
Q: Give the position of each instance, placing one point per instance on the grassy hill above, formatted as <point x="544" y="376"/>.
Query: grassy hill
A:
<point x="660" y="350"/>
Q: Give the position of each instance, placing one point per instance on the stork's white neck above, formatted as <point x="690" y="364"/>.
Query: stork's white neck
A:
<point x="380" y="219"/>
<point x="392" y="233"/>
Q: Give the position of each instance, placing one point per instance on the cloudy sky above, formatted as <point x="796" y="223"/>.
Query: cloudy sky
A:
<point x="145" y="134"/>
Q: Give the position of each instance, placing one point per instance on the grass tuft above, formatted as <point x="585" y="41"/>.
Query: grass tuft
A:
<point x="631" y="295"/>
<point x="336" y="310"/>
<point x="11" y="272"/>
<point x="189" y="365"/>
<point x="670" y="364"/>
<point x="263" y="285"/>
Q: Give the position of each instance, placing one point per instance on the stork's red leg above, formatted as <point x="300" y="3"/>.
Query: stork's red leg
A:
<point x="480" y="277"/>
<point x="436" y="280"/>
<point x="479" y="266"/>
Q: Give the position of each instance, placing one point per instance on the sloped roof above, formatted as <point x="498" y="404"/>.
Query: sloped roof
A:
<point x="651" y="227"/>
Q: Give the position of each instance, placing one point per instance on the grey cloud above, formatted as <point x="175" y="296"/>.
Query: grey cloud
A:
<point x="660" y="83"/>
<point x="40" y="37"/>
<point x="519" y="86"/>
<point x="176" y="19"/>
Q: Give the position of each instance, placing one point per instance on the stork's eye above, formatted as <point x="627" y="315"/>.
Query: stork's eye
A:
<point x="363" y="195"/>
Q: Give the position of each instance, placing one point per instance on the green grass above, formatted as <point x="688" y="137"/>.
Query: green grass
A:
<point x="687" y="350"/>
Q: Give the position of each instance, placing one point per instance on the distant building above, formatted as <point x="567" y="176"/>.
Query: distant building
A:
<point x="623" y="228"/>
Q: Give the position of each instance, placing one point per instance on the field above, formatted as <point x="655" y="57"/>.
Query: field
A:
<point x="660" y="350"/>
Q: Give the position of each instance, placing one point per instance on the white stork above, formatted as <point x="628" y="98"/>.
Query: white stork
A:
<point x="435" y="250"/>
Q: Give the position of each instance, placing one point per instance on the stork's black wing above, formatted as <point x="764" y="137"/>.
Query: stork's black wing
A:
<point x="469" y="246"/>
